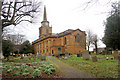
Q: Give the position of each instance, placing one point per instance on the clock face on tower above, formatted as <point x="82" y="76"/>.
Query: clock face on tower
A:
<point x="41" y="24"/>
<point x="46" y="23"/>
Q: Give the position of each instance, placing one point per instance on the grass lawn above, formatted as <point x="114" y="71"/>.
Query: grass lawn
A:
<point x="100" y="69"/>
<point x="25" y="68"/>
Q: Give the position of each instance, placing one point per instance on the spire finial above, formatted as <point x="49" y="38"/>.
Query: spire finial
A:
<point x="44" y="15"/>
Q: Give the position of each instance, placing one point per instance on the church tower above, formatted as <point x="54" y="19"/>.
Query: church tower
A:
<point x="45" y="29"/>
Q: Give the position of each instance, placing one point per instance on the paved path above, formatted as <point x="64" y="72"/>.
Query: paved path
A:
<point x="68" y="71"/>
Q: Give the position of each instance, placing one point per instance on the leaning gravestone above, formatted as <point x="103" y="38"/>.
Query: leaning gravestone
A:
<point x="85" y="55"/>
<point x="10" y="57"/>
<point x="94" y="59"/>
<point x="115" y="54"/>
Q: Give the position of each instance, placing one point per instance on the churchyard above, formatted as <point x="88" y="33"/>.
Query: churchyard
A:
<point x="98" y="66"/>
<point x="28" y="67"/>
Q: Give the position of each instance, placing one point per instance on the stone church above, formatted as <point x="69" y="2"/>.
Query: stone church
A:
<point x="69" y="41"/>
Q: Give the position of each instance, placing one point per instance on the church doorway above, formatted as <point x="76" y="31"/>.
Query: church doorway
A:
<point x="52" y="51"/>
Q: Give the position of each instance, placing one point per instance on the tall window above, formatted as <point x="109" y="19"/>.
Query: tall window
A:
<point x="43" y="44"/>
<point x="47" y="50"/>
<point x="77" y="38"/>
<point x="47" y="31"/>
<point x="59" y="49"/>
<point x="65" y="40"/>
<point x="52" y="51"/>
<point x="40" y="45"/>
<point x="43" y="51"/>
<point x="47" y="43"/>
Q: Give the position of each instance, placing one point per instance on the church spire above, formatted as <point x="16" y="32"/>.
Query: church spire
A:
<point x="44" y="15"/>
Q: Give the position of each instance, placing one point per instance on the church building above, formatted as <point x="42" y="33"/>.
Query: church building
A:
<point x="69" y="41"/>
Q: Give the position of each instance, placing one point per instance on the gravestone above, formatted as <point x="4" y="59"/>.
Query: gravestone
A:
<point x="111" y="58"/>
<point x="85" y="55"/>
<point x="39" y="57"/>
<point x="10" y="57"/>
<point x="107" y="58"/>
<point x="22" y="56"/>
<point x="115" y="54"/>
<point x="29" y="57"/>
<point x="66" y="57"/>
<point x="94" y="59"/>
<point x="43" y="58"/>
<point x="103" y="52"/>
<point x="78" y="55"/>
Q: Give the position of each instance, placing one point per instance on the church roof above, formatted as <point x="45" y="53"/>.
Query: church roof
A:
<point x="62" y="34"/>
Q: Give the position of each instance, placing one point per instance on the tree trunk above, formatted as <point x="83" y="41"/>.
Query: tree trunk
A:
<point x="1" y="54"/>
<point x="96" y="48"/>
<point x="88" y="48"/>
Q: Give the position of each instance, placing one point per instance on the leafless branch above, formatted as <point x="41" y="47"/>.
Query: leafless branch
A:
<point x="13" y="13"/>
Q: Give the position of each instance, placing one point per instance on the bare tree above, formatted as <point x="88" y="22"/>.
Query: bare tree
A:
<point x="95" y="40"/>
<point x="14" y="12"/>
<point x="89" y="38"/>
<point x="17" y="39"/>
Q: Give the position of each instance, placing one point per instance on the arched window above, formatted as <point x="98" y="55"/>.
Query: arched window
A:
<point x="47" y="50"/>
<point x="65" y="40"/>
<point x="77" y="38"/>
<point x="52" y="52"/>
<point x="47" y="43"/>
<point x="59" y="49"/>
<point x="47" y="31"/>
<point x="40" y="45"/>
<point x="43" y="51"/>
<point x="43" y="44"/>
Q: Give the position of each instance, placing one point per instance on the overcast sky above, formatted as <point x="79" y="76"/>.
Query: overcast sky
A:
<point x="69" y="14"/>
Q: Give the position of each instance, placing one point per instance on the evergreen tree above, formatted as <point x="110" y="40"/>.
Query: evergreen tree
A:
<point x="112" y="32"/>
<point x="26" y="47"/>
<point x="7" y="48"/>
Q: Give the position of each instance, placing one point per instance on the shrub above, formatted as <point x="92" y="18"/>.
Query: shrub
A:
<point x="40" y="68"/>
<point x="53" y="69"/>
<point x="24" y="66"/>
<point x="16" y="67"/>
<point x="36" y="73"/>
<point x="43" y="65"/>
<point x="9" y="70"/>
<point x="26" y="70"/>
<point x="51" y="65"/>
<point x="48" y="71"/>
<point x="25" y="74"/>
<point x="15" y="74"/>
<point x="34" y="67"/>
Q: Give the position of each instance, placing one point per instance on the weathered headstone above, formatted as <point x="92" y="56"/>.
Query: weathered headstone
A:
<point x="111" y="58"/>
<point x="66" y="58"/>
<point x="94" y="59"/>
<point x="78" y="55"/>
<point x="115" y="54"/>
<point x="10" y="57"/>
<point x="43" y="58"/>
<point x="85" y="55"/>
<point x="107" y="58"/>
<point x="22" y="56"/>
<point x="39" y="57"/>
<point x="103" y="52"/>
